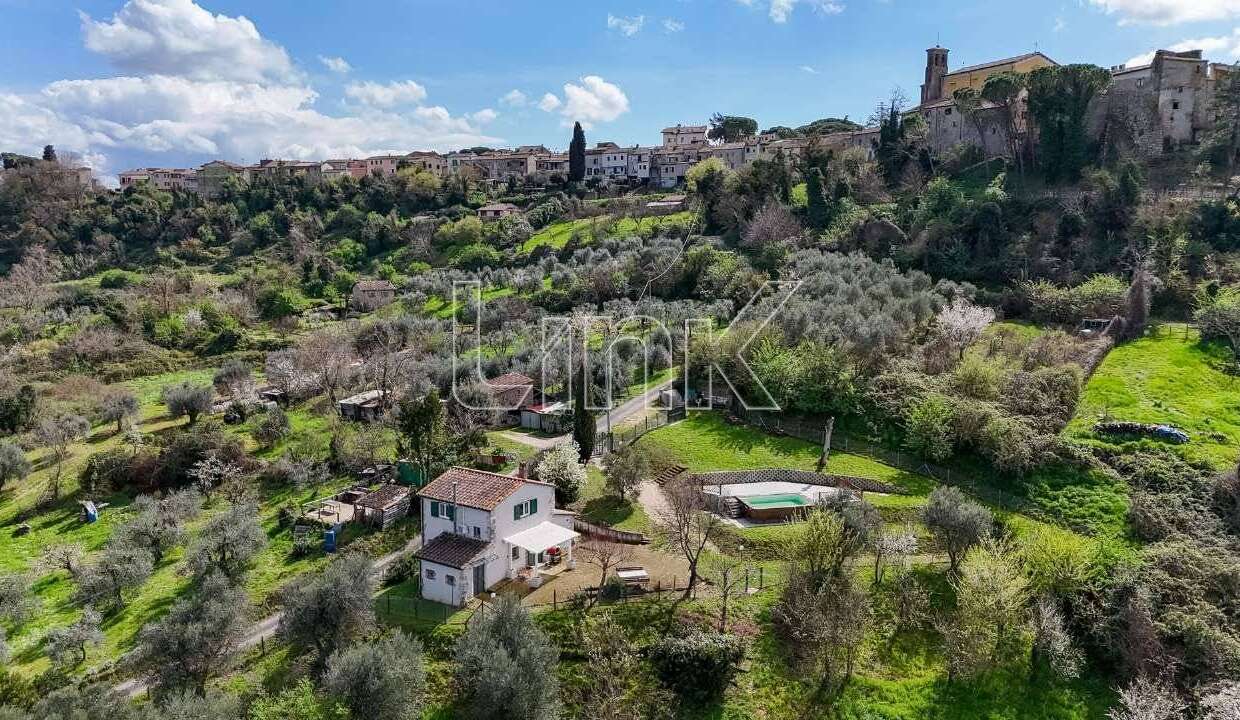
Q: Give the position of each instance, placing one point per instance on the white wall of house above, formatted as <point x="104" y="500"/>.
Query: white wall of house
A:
<point x="442" y="584"/>
<point x="490" y="526"/>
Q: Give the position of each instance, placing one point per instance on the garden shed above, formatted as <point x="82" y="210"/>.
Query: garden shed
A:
<point x="384" y="506"/>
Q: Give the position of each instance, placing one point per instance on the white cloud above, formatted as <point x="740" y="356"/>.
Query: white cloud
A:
<point x="549" y="103"/>
<point x="593" y="101"/>
<point x="673" y="26"/>
<point x="628" y="26"/>
<point x="400" y="92"/>
<point x="808" y="69"/>
<point x="514" y="98"/>
<point x="177" y="37"/>
<point x="1169" y="12"/>
<point x="780" y="10"/>
<point x="208" y="108"/>
<point x="1213" y="47"/>
<point x="483" y="116"/>
<point x="1060" y="24"/>
<point x="336" y="64"/>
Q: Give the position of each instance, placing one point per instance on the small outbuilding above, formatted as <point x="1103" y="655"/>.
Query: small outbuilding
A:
<point x="495" y="211"/>
<point x="363" y="407"/>
<point x="384" y="506"/>
<point x="547" y="417"/>
<point x="368" y="295"/>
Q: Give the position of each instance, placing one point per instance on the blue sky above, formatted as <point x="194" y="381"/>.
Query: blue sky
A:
<point x="174" y="82"/>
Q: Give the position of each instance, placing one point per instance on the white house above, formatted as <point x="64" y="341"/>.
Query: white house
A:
<point x="480" y="528"/>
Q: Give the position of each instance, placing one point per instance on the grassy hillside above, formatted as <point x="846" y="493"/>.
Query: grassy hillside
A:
<point x="1170" y="377"/>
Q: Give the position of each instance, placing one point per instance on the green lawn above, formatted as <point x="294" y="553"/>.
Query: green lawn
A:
<point x="1168" y="378"/>
<point x="557" y="234"/>
<point x="704" y="442"/>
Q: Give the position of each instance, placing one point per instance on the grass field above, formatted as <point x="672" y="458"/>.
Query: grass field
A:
<point x="557" y="234"/>
<point x="704" y="442"/>
<point x="1169" y="377"/>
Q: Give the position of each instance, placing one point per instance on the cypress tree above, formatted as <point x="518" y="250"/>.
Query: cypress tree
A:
<point x="584" y="425"/>
<point x="818" y="212"/>
<point x="577" y="155"/>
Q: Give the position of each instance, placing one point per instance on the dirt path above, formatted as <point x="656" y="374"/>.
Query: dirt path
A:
<point x="267" y="627"/>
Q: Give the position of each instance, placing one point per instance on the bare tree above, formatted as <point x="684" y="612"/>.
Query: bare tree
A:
<point x="29" y="284"/>
<point x="1148" y="699"/>
<point x="604" y="555"/>
<point x="1052" y="643"/>
<point x="685" y="526"/>
<point x="726" y="574"/>
<point x="327" y="357"/>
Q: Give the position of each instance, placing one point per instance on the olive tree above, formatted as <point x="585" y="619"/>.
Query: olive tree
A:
<point x="67" y="645"/>
<point x="506" y="667"/>
<point x="227" y="543"/>
<point x="58" y="433"/>
<point x="18" y="602"/>
<point x="326" y="611"/>
<point x="187" y="400"/>
<point x="956" y="523"/>
<point x="119" y="568"/>
<point x="383" y="679"/>
<point x="13" y="463"/>
<point x="116" y="405"/>
<point x="196" y="639"/>
<point x="159" y="523"/>
<point x="627" y="468"/>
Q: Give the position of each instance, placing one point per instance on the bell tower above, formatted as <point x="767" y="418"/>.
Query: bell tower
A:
<point x="936" y="68"/>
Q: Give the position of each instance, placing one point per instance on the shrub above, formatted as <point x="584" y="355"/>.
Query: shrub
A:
<point x="928" y="426"/>
<point x="272" y="427"/>
<point x="699" y="666"/>
<point x="117" y="279"/>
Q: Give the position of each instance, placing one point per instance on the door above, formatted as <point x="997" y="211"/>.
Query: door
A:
<point x="480" y="579"/>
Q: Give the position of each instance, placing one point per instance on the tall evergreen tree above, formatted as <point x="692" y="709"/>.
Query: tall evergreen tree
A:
<point x="577" y="155"/>
<point x="584" y="424"/>
<point x="817" y="211"/>
<point x="49" y="153"/>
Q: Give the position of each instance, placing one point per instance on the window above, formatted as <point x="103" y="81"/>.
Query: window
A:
<point x="525" y="509"/>
<point x="430" y="574"/>
<point x="443" y="510"/>
<point x="948" y="111"/>
<point x="450" y="579"/>
<point x="1175" y="104"/>
<point x="477" y="531"/>
<point x="516" y="553"/>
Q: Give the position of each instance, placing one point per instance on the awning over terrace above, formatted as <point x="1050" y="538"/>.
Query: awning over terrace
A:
<point x="541" y="537"/>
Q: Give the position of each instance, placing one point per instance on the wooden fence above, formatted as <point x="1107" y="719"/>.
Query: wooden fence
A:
<point x="602" y="532"/>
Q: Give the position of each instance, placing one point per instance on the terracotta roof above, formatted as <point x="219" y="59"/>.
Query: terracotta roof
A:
<point x="512" y="379"/>
<point x="451" y="549"/>
<point x="384" y="497"/>
<point x="685" y="129"/>
<point x="474" y="488"/>
<point x="1004" y="61"/>
<point x="496" y="207"/>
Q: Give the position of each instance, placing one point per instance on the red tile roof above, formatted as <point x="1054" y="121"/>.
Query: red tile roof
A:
<point x="510" y="380"/>
<point x="451" y="549"/>
<point x="474" y="488"/>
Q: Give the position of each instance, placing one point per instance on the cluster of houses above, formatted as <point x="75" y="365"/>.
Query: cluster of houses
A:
<point x="1154" y="107"/>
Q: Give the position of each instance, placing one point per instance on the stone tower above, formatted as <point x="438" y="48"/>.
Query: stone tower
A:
<point x="936" y="68"/>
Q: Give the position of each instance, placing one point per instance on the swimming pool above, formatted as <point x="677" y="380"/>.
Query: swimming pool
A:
<point x="784" y="500"/>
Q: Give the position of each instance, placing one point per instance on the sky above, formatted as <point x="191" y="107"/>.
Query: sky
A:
<point x="175" y="83"/>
